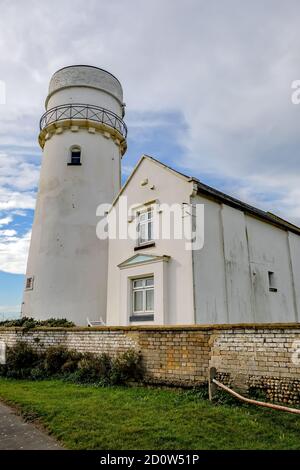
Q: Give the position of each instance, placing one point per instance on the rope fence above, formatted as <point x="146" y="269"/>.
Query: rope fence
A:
<point x="214" y="384"/>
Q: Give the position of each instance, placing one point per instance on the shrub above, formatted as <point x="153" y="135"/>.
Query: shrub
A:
<point x="93" y="369"/>
<point x="24" y="362"/>
<point x="38" y="373"/>
<point x="29" y="323"/>
<point x="70" y="366"/>
<point x="57" y="322"/>
<point x="126" y="367"/>
<point x="55" y="359"/>
<point x="257" y="393"/>
<point x="20" y="360"/>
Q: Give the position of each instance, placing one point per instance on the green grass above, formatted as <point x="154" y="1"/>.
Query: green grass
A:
<point x="86" y="417"/>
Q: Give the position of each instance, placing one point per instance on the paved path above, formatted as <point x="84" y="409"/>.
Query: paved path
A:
<point x="15" y="434"/>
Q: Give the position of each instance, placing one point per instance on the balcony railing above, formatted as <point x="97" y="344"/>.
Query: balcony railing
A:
<point x="83" y="112"/>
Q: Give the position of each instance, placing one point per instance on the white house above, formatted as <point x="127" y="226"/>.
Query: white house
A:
<point x="247" y="271"/>
<point x="242" y="266"/>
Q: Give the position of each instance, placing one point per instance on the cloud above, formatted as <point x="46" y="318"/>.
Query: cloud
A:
<point x="7" y="233"/>
<point x="226" y="67"/>
<point x="218" y="73"/>
<point x="5" y="221"/>
<point x="10" y="199"/>
<point x="13" y="253"/>
<point x="18" y="181"/>
<point x="9" y="309"/>
<point x="17" y="172"/>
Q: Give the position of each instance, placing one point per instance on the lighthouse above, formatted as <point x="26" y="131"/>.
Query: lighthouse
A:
<point x="83" y="138"/>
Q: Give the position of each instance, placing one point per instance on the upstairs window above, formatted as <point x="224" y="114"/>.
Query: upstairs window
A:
<point x="145" y="226"/>
<point x="75" y="157"/>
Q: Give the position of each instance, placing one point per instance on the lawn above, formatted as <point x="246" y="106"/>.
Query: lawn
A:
<point x="87" y="417"/>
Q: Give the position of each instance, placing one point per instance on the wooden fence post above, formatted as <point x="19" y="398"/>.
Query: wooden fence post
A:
<point x="212" y="388"/>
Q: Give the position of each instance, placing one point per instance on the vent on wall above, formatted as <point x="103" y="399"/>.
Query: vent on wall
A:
<point x="272" y="281"/>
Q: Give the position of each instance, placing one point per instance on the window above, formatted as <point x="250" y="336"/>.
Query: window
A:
<point x="145" y="226"/>
<point x="143" y="296"/>
<point x="29" y="283"/>
<point x="272" y="281"/>
<point x="75" y="156"/>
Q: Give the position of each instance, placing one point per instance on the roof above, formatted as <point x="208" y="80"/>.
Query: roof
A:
<point x="219" y="196"/>
<point x="247" y="208"/>
<point x="142" y="259"/>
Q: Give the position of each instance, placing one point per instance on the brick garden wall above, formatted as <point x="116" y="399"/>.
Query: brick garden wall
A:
<point x="260" y="358"/>
<point x="263" y="357"/>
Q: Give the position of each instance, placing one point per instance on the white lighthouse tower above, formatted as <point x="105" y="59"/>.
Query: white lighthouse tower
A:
<point x="83" y="138"/>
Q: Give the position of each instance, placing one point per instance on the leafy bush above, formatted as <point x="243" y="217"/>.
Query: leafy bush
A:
<point x="125" y="367"/>
<point x="70" y="366"/>
<point x="55" y="358"/>
<point x="29" y="323"/>
<point x="257" y="393"/>
<point x="93" y="369"/>
<point x="24" y="362"/>
<point x="20" y="360"/>
<point x="57" y="322"/>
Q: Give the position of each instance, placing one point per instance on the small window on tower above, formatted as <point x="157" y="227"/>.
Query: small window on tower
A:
<point x="75" y="156"/>
<point x="29" y="283"/>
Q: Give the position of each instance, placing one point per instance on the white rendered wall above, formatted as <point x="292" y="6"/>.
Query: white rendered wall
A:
<point x="236" y="262"/>
<point x="160" y="272"/>
<point x="178" y="276"/>
<point x="66" y="259"/>
<point x="85" y="85"/>
<point x="294" y="248"/>
<point x="81" y="95"/>
<point x="209" y="268"/>
<point x="268" y="251"/>
<point x="231" y="271"/>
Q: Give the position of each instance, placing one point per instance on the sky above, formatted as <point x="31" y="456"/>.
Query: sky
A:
<point x="207" y="87"/>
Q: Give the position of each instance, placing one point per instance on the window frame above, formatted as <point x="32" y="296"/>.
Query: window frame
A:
<point x="29" y="283"/>
<point x="75" y="161"/>
<point x="144" y="288"/>
<point x="148" y="223"/>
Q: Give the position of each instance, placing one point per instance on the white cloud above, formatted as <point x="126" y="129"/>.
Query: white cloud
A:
<point x="225" y="67"/>
<point x="13" y="253"/>
<point x="127" y="170"/>
<point x="18" y="179"/>
<point x="5" y="221"/>
<point x="222" y="70"/>
<point x="21" y="213"/>
<point x="17" y="172"/>
<point x="8" y="233"/>
<point x="9" y="309"/>
<point x="10" y="199"/>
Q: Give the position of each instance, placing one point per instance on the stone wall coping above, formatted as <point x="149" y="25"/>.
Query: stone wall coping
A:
<point x="206" y="327"/>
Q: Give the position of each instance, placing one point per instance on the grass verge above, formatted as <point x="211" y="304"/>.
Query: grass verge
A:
<point x="87" y="417"/>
